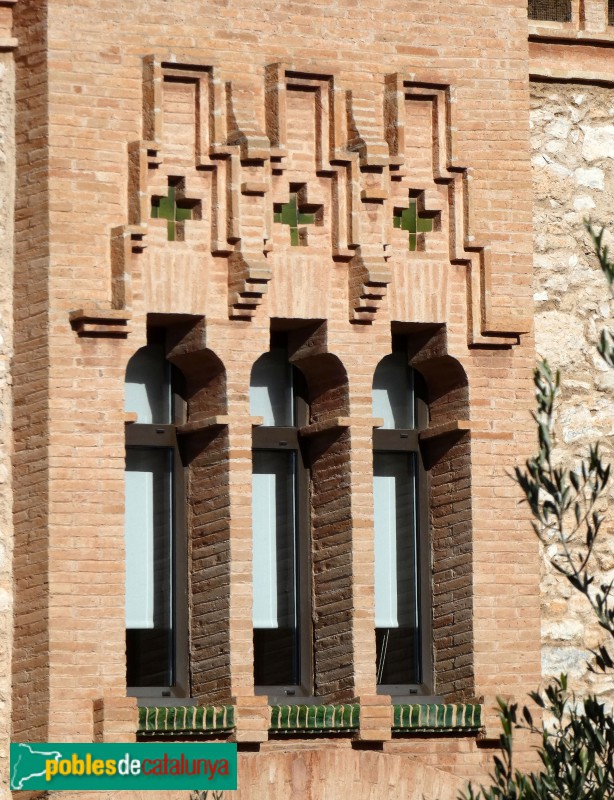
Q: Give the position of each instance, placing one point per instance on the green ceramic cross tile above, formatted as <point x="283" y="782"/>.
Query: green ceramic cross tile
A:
<point x="171" y="209"/>
<point x="409" y="220"/>
<point x="290" y="214"/>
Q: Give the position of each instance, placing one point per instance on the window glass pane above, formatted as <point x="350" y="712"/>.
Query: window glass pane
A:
<point x="396" y="567"/>
<point x="270" y="390"/>
<point x="552" y="10"/>
<point x="275" y="608"/>
<point x="149" y="566"/>
<point x="393" y="392"/>
<point x="148" y="390"/>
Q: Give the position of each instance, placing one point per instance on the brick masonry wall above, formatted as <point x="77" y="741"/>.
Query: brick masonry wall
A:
<point x="100" y="90"/>
<point x="573" y="179"/>
<point x="31" y="380"/>
<point x="7" y="178"/>
<point x="332" y="565"/>
<point x="209" y="559"/>
<point x="210" y="569"/>
<point x="452" y="552"/>
<point x="331" y="519"/>
<point x="325" y="769"/>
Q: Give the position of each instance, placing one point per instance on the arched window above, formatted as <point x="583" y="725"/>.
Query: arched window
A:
<point x="155" y="554"/>
<point x="400" y="528"/>
<point x="280" y="527"/>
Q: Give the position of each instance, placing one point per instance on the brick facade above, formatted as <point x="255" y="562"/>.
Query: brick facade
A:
<point x="160" y="156"/>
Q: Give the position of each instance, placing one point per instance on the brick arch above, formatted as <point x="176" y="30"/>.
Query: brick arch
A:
<point x="327" y="382"/>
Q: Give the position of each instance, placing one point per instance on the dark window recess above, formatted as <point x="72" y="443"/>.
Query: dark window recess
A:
<point x="156" y="612"/>
<point x="610" y="12"/>
<point x="552" y="10"/>
<point x="400" y="521"/>
<point x="280" y="525"/>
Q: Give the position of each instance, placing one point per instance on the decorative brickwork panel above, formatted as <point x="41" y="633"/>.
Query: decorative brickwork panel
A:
<point x="329" y="454"/>
<point x="204" y="450"/>
<point x="448" y="459"/>
<point x="210" y="566"/>
<point x="450" y="482"/>
<point x="332" y="565"/>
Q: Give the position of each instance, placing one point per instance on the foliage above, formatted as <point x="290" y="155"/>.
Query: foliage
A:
<point x="576" y="738"/>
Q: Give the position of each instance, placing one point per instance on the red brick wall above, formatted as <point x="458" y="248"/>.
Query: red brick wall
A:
<point x="465" y="69"/>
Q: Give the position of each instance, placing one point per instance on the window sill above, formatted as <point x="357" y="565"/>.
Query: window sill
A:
<point x="566" y="32"/>
<point x="300" y="719"/>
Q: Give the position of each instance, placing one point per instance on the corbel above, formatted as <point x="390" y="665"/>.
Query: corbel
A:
<point x="445" y="430"/>
<point x="209" y="423"/>
<point x="100" y="323"/>
<point x="325" y="425"/>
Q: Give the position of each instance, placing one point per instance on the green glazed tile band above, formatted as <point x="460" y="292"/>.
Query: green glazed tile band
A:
<point x="437" y="717"/>
<point x="325" y="718"/>
<point x="194" y="719"/>
<point x="330" y="718"/>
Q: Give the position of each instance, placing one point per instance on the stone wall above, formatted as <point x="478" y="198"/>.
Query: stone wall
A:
<point x="572" y="127"/>
<point x="7" y="177"/>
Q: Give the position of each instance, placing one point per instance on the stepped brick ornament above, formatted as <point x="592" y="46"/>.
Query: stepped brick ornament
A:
<point x="219" y="128"/>
<point x="199" y="123"/>
<point x="484" y="327"/>
<point x="175" y="208"/>
<point x="354" y="163"/>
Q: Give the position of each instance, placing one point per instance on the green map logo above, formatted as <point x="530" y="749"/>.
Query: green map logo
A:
<point x="150" y="766"/>
<point x="30" y="762"/>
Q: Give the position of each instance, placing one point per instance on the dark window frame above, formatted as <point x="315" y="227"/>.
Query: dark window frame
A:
<point x="164" y="436"/>
<point x="287" y="438"/>
<point x="407" y="440"/>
